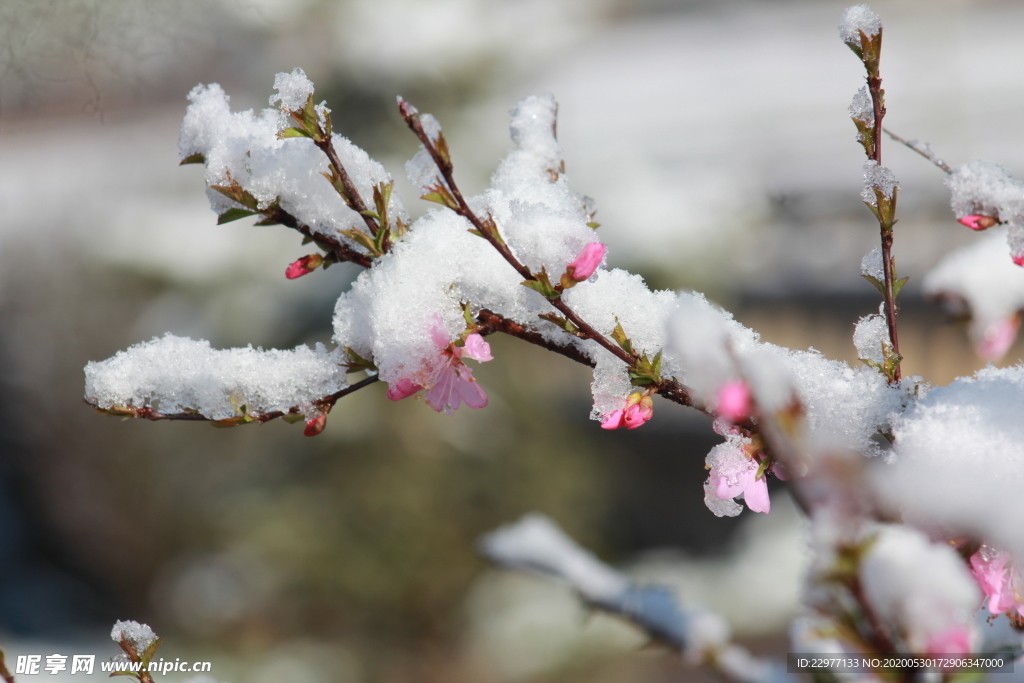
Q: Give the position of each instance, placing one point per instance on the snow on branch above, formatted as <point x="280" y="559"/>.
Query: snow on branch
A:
<point x="536" y="544"/>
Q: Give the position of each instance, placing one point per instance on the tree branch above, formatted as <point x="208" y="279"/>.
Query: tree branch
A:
<point x="342" y="252"/>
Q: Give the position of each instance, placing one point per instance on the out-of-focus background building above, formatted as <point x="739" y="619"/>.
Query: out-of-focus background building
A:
<point x="714" y="137"/>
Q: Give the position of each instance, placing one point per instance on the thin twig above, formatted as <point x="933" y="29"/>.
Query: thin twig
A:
<point x="342" y="252"/>
<point x="922" y="149"/>
<point x="355" y="199"/>
<point x="875" y="88"/>
<point x="487" y="232"/>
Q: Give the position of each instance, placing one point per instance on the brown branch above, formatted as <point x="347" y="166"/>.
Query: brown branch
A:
<point x="875" y="88"/>
<point x="355" y="200"/>
<point x="4" y="672"/>
<point x="342" y="252"/>
<point x="155" y="416"/>
<point x="491" y="322"/>
<point x="924" y="149"/>
<point x="488" y="232"/>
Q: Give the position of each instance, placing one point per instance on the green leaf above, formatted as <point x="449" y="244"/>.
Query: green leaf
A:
<point x="196" y="158"/>
<point x="898" y="285"/>
<point x="762" y="468"/>
<point x="563" y="323"/>
<point x="619" y="335"/>
<point x="292" y="418"/>
<point x="293" y="133"/>
<point x="233" y="215"/>
<point x="593" y="224"/>
<point x="545" y="289"/>
<point x="147" y="655"/>
<point x="876" y="282"/>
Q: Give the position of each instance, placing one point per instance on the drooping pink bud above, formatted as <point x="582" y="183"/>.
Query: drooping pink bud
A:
<point x="1019" y="260"/>
<point x="639" y="413"/>
<point x="998" y="338"/>
<point x="614" y="420"/>
<point x="734" y="401"/>
<point x="403" y="388"/>
<point x="315" y="424"/>
<point x="587" y="262"/>
<point x="304" y="266"/>
<point x="978" y="221"/>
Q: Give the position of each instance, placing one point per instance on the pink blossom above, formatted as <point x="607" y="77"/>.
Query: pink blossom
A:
<point x="452" y="382"/>
<point x="1000" y="580"/>
<point x="403" y="388"/>
<point x="998" y="339"/>
<point x="587" y="262"/>
<point x="1019" y="260"/>
<point x="955" y="640"/>
<point x="978" y="222"/>
<point x="736" y="474"/>
<point x="734" y="401"/>
<point x="304" y="266"/>
<point x="639" y="409"/>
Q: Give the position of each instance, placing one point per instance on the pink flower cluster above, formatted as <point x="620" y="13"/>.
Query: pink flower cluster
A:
<point x="638" y="410"/>
<point x="1000" y="580"/>
<point x="451" y="384"/>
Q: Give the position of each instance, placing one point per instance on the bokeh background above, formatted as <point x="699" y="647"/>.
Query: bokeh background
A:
<point x="714" y="137"/>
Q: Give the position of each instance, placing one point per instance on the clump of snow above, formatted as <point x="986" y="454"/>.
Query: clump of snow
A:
<point x="293" y="90"/>
<point x="986" y="188"/>
<point x="535" y="542"/>
<point x="920" y="588"/>
<point x="243" y="147"/>
<point x="872" y="265"/>
<point x="871" y="335"/>
<point x="960" y="457"/>
<point x="878" y="180"/>
<point x="139" y="636"/>
<point x="175" y="374"/>
<point x="858" y="18"/>
<point x="981" y="278"/>
<point x="862" y="108"/>
<point x="843" y="406"/>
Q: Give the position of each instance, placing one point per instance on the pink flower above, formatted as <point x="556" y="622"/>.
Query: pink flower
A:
<point x="955" y="640"/>
<point x="734" y="401"/>
<point x="587" y="262"/>
<point x="304" y="266"/>
<point x="403" y="388"/>
<point x="1000" y="580"/>
<point x="998" y="339"/>
<point x="451" y="384"/>
<point x="1019" y="260"/>
<point x="735" y="473"/>
<point x="639" y="409"/>
<point x="977" y="222"/>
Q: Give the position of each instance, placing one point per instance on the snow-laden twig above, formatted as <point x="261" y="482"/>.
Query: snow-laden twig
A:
<point x="537" y="544"/>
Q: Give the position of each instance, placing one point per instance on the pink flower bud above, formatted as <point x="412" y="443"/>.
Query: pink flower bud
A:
<point x="639" y="409"/>
<point x="304" y="266"/>
<point x="1019" y="260"/>
<point x="316" y="424"/>
<point x="587" y="262"/>
<point x="998" y="338"/>
<point x="977" y="221"/>
<point x="403" y="388"/>
<point x="734" y="401"/>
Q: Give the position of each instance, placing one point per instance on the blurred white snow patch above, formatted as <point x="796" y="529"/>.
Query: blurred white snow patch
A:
<point x="521" y="626"/>
<point x="982" y="278"/>
<point x="871" y="335"/>
<point x="921" y="588"/>
<point x="960" y="458"/>
<point x="871" y="265"/>
<point x="770" y="550"/>
<point x="409" y="40"/>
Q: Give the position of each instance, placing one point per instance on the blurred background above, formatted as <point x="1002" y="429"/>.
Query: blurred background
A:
<point x="713" y="135"/>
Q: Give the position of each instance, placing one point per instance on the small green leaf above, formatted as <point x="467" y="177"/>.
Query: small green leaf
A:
<point x="233" y="215"/>
<point x="292" y="418"/>
<point x="898" y="285"/>
<point x="196" y="158"/>
<point x="293" y="133"/>
<point x="563" y="323"/>
<point x="876" y="282"/>
<point x="593" y="224"/>
<point x="619" y="335"/>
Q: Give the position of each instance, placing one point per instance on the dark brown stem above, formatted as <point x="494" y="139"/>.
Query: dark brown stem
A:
<point x="875" y="88"/>
<point x="916" y="147"/>
<point x="4" y="671"/>
<point x="488" y="232"/>
<point x="342" y="252"/>
<point x="354" y="198"/>
<point x="491" y="322"/>
<point x="325" y="402"/>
